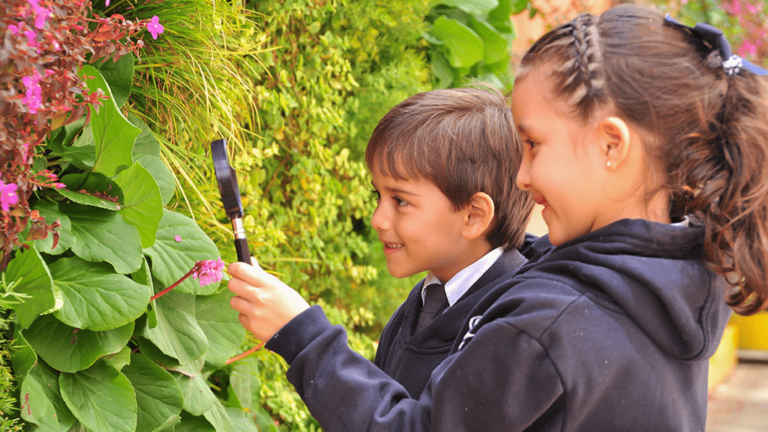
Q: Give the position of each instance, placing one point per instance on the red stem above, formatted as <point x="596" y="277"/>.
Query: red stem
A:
<point x="245" y="354"/>
<point x="175" y="284"/>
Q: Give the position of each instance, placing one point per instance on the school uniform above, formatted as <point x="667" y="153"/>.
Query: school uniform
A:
<point x="610" y="331"/>
<point x="409" y="356"/>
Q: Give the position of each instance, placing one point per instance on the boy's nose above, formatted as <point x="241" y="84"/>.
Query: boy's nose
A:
<point x="379" y="220"/>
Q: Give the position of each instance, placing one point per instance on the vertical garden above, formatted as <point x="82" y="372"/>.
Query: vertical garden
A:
<point x="114" y="311"/>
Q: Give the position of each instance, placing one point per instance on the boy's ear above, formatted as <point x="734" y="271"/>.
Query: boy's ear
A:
<point x="615" y="139"/>
<point x="479" y="215"/>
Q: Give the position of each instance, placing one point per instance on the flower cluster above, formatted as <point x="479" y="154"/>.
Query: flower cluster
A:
<point x="749" y="15"/>
<point x="43" y="45"/>
<point x="208" y="271"/>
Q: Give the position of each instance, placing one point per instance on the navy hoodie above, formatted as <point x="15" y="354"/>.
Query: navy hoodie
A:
<point x="610" y="331"/>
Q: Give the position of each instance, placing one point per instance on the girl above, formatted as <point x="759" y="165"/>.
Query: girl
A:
<point x="647" y="145"/>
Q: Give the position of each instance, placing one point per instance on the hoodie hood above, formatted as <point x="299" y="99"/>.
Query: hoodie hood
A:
<point x="650" y="271"/>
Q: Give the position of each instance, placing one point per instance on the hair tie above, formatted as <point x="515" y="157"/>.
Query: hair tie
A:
<point x="732" y="63"/>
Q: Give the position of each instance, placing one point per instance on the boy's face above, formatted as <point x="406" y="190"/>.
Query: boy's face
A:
<point x="418" y="227"/>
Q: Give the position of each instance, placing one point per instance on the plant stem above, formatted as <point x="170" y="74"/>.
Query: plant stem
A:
<point x="245" y="354"/>
<point x="175" y="284"/>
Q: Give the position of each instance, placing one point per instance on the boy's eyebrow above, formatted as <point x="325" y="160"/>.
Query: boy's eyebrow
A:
<point x="396" y="191"/>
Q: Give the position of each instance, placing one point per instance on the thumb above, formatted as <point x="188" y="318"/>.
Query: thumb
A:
<point x="255" y="263"/>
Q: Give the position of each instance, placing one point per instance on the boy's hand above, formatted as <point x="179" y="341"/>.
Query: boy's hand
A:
<point x="264" y="302"/>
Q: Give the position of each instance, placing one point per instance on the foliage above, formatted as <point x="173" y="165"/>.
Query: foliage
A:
<point x="744" y="22"/>
<point x="472" y="39"/>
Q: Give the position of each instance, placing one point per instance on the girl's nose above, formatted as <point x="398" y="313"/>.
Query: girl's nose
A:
<point x="523" y="175"/>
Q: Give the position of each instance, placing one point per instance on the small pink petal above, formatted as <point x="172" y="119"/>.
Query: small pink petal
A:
<point x="177" y="238"/>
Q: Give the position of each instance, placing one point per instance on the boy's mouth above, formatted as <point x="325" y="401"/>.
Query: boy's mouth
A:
<point x="392" y="247"/>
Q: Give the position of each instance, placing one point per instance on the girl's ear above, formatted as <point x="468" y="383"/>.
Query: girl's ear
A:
<point x="479" y="215"/>
<point x="615" y="139"/>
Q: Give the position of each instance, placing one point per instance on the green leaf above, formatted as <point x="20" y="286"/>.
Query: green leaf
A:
<point x="496" y="47"/>
<point x="22" y="355"/>
<point x="193" y="424"/>
<point x="171" y="259"/>
<point x="95" y="297"/>
<point x="198" y="397"/>
<point x="142" y="205"/>
<point x="242" y="421"/>
<point x="218" y="417"/>
<point x="158" y="395"/>
<point x="221" y="326"/>
<point x="150" y="350"/>
<point x="103" y="235"/>
<point x="119" y="76"/>
<point x="114" y="135"/>
<point x="70" y="350"/>
<point x="160" y="172"/>
<point x="101" y="398"/>
<point x="65" y="135"/>
<point x="464" y="46"/>
<point x="50" y="211"/>
<point x="441" y="70"/>
<point x="41" y="400"/>
<point x="244" y="381"/>
<point x="479" y="7"/>
<point x="518" y="6"/>
<point x="119" y="359"/>
<point x="177" y="333"/>
<point x="85" y="188"/>
<point x="32" y="278"/>
<point x="146" y="143"/>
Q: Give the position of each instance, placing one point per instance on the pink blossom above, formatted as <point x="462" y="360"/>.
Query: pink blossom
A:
<point x="747" y="49"/>
<point x="16" y="28"/>
<point x="177" y="238"/>
<point x="31" y="38"/>
<point x="52" y="176"/>
<point x="154" y="27"/>
<point x="736" y="7"/>
<point x="41" y="13"/>
<point x="208" y="271"/>
<point x="60" y="185"/>
<point x="9" y="197"/>
<point x="34" y="94"/>
<point x="752" y="8"/>
<point x="106" y="3"/>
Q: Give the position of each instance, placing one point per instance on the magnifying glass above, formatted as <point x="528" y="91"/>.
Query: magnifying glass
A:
<point x="230" y="197"/>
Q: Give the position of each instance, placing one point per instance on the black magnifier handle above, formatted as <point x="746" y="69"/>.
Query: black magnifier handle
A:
<point x="230" y="197"/>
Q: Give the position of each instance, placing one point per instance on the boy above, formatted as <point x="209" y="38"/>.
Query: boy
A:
<point x="443" y="165"/>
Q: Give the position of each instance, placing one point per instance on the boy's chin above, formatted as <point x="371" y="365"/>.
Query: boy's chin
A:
<point x="400" y="272"/>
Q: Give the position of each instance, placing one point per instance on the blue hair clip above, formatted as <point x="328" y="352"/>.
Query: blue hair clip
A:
<point x="732" y="63"/>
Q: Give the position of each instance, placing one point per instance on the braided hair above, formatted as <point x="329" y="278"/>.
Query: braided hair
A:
<point x="704" y="131"/>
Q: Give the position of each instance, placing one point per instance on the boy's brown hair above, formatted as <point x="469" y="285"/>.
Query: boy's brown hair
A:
<point x="463" y="141"/>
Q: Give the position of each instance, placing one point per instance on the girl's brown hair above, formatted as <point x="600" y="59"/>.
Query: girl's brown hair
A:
<point x="706" y="132"/>
<point x="463" y="141"/>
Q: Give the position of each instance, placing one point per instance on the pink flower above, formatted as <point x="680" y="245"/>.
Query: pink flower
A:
<point x="60" y="185"/>
<point x="177" y="238"/>
<point x="31" y="38"/>
<point x="747" y="49"/>
<point x="9" y="197"/>
<point x="106" y="3"/>
<point x="208" y="271"/>
<point x="16" y="28"/>
<point x="154" y="27"/>
<point x="34" y="94"/>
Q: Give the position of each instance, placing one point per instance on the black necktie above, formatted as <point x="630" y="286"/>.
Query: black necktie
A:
<point x="435" y="302"/>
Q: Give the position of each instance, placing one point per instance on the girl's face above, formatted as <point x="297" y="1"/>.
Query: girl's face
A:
<point x="565" y="164"/>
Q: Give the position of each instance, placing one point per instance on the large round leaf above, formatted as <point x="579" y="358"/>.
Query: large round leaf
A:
<point x="92" y="189"/>
<point x="160" y="172"/>
<point x="198" y="397"/>
<point x="193" y="424"/>
<point x="245" y="382"/>
<point x="177" y="333"/>
<point x="101" y="398"/>
<point x="167" y="362"/>
<point x="95" y="297"/>
<point x="113" y="134"/>
<point x="158" y="395"/>
<point x="244" y="421"/>
<point x="42" y="403"/>
<point x="28" y="270"/>
<point x="50" y="211"/>
<point x="142" y="205"/>
<point x="218" y="417"/>
<point x="70" y="350"/>
<point x="221" y="326"/>
<point x="119" y="76"/>
<point x="103" y="235"/>
<point x="473" y="6"/>
<point x="496" y="46"/>
<point x="172" y="259"/>
<point x="465" y="48"/>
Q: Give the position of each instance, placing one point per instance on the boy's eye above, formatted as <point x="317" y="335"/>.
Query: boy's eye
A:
<point x="399" y="202"/>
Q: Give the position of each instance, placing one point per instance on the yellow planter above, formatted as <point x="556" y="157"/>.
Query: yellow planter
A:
<point x="753" y="331"/>
<point x="722" y="363"/>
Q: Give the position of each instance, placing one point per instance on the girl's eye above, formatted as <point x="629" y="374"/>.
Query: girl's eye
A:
<point x="399" y="202"/>
<point x="378" y="195"/>
<point x="531" y="144"/>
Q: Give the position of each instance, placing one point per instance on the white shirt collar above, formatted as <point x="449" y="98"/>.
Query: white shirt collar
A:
<point x="463" y="280"/>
